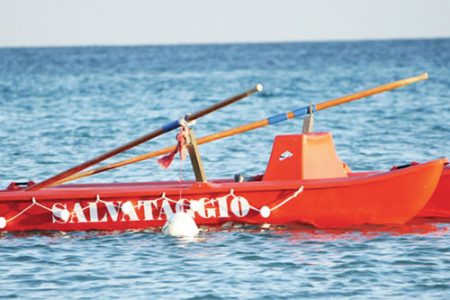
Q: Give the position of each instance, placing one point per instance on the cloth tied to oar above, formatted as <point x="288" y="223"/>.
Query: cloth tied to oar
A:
<point x="182" y="143"/>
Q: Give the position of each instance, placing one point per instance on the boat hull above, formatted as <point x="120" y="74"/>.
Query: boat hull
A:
<point x="439" y="204"/>
<point x="392" y="197"/>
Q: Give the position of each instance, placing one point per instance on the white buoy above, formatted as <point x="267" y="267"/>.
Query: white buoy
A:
<point x="61" y="213"/>
<point x="2" y="222"/>
<point x="181" y="224"/>
<point x="265" y="212"/>
<point x="127" y="207"/>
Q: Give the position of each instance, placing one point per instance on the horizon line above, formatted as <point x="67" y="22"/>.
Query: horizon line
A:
<point x="89" y="45"/>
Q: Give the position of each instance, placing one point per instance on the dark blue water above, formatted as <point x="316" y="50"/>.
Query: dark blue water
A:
<point x="61" y="106"/>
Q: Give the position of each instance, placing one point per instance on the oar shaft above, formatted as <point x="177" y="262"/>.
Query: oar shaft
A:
<point x="299" y="112"/>
<point x="370" y="92"/>
<point x="226" y="102"/>
<point x="200" y="141"/>
<point x="168" y="127"/>
<point x="116" y="165"/>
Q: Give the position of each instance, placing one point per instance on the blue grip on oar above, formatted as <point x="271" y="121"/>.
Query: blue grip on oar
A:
<point x="171" y="126"/>
<point x="277" y="118"/>
<point x="303" y="111"/>
<point x="299" y="112"/>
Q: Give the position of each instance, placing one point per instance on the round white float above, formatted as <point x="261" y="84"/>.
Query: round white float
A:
<point x="265" y="212"/>
<point x="2" y="222"/>
<point x="181" y="224"/>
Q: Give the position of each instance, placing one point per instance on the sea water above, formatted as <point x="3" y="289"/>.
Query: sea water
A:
<point x="62" y="106"/>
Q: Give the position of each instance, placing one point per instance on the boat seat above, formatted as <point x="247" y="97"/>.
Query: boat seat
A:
<point x="18" y="186"/>
<point x="304" y="156"/>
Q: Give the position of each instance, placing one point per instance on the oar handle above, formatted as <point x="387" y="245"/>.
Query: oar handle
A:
<point x="176" y="123"/>
<point x="370" y="92"/>
<point x="168" y="127"/>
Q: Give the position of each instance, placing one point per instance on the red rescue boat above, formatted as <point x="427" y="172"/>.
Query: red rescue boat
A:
<point x="305" y="182"/>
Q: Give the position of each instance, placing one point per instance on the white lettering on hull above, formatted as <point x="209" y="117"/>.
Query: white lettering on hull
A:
<point x="150" y="210"/>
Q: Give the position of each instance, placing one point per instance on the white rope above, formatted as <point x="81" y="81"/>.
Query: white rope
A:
<point x="262" y="210"/>
<point x="33" y="203"/>
<point x="287" y="199"/>
<point x="20" y="213"/>
<point x="40" y="205"/>
<point x="296" y="193"/>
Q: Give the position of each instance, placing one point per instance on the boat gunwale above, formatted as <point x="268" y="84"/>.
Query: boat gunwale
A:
<point x="116" y="190"/>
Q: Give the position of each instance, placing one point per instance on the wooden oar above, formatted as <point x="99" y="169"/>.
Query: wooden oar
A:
<point x="168" y="127"/>
<point x="370" y="92"/>
<point x="258" y="124"/>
